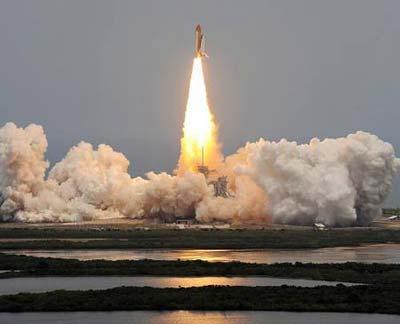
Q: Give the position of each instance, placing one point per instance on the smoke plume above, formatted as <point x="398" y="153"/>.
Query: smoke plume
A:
<point x="338" y="182"/>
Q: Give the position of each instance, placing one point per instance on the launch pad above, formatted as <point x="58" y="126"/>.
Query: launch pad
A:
<point x="220" y="184"/>
<point x="221" y="187"/>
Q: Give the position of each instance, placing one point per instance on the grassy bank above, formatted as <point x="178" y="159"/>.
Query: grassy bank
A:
<point x="347" y="272"/>
<point x="202" y="239"/>
<point x="366" y="299"/>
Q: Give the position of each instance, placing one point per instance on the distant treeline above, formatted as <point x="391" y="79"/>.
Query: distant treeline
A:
<point x="202" y="239"/>
<point x="391" y="211"/>
<point x="362" y="299"/>
<point x="24" y="266"/>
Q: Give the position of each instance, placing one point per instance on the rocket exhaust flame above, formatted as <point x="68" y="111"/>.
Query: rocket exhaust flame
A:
<point x="199" y="144"/>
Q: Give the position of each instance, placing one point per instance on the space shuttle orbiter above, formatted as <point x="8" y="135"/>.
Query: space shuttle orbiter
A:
<point x="198" y="49"/>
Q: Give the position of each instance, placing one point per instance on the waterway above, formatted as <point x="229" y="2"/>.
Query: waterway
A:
<point x="381" y="253"/>
<point x="41" y="284"/>
<point x="193" y="317"/>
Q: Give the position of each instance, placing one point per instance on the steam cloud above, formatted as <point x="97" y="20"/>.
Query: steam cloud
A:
<point x="338" y="182"/>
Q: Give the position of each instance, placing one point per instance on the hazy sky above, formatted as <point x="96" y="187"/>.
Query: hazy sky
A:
<point x="117" y="72"/>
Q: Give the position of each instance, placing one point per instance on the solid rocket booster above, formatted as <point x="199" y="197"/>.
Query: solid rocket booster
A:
<point x="198" y="42"/>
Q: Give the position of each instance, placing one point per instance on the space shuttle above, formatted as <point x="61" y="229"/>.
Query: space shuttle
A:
<point x="199" y="43"/>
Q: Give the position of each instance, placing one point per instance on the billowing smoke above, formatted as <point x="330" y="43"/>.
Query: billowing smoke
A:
<point x="338" y="182"/>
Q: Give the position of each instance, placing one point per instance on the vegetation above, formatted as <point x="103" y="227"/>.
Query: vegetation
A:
<point x="344" y="272"/>
<point x="366" y="299"/>
<point x="391" y="211"/>
<point x="191" y="238"/>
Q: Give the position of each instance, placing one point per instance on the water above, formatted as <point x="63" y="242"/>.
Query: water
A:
<point x="183" y="317"/>
<point x="382" y="253"/>
<point x="42" y="284"/>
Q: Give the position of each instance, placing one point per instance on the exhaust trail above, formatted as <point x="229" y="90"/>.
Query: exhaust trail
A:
<point x="199" y="144"/>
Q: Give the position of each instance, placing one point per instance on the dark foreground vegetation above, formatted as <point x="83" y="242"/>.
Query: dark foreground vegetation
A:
<point x="191" y="238"/>
<point x="365" y="299"/>
<point x="27" y="266"/>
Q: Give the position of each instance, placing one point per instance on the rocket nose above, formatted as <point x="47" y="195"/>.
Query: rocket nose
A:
<point x="198" y="28"/>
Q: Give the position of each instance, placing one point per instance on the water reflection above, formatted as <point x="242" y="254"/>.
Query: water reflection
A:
<point x="383" y="253"/>
<point x="42" y="284"/>
<point x="183" y="317"/>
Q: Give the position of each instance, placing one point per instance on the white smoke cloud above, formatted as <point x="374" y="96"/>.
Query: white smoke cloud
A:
<point x="335" y="181"/>
<point x="338" y="182"/>
<point x="22" y="164"/>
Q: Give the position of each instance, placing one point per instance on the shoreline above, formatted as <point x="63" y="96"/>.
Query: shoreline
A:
<point x="351" y="272"/>
<point x="165" y="238"/>
<point x="359" y="299"/>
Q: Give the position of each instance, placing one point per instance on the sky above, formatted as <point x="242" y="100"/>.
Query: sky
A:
<point x="117" y="72"/>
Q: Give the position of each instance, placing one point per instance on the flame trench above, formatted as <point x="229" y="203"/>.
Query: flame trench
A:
<point x="199" y="143"/>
